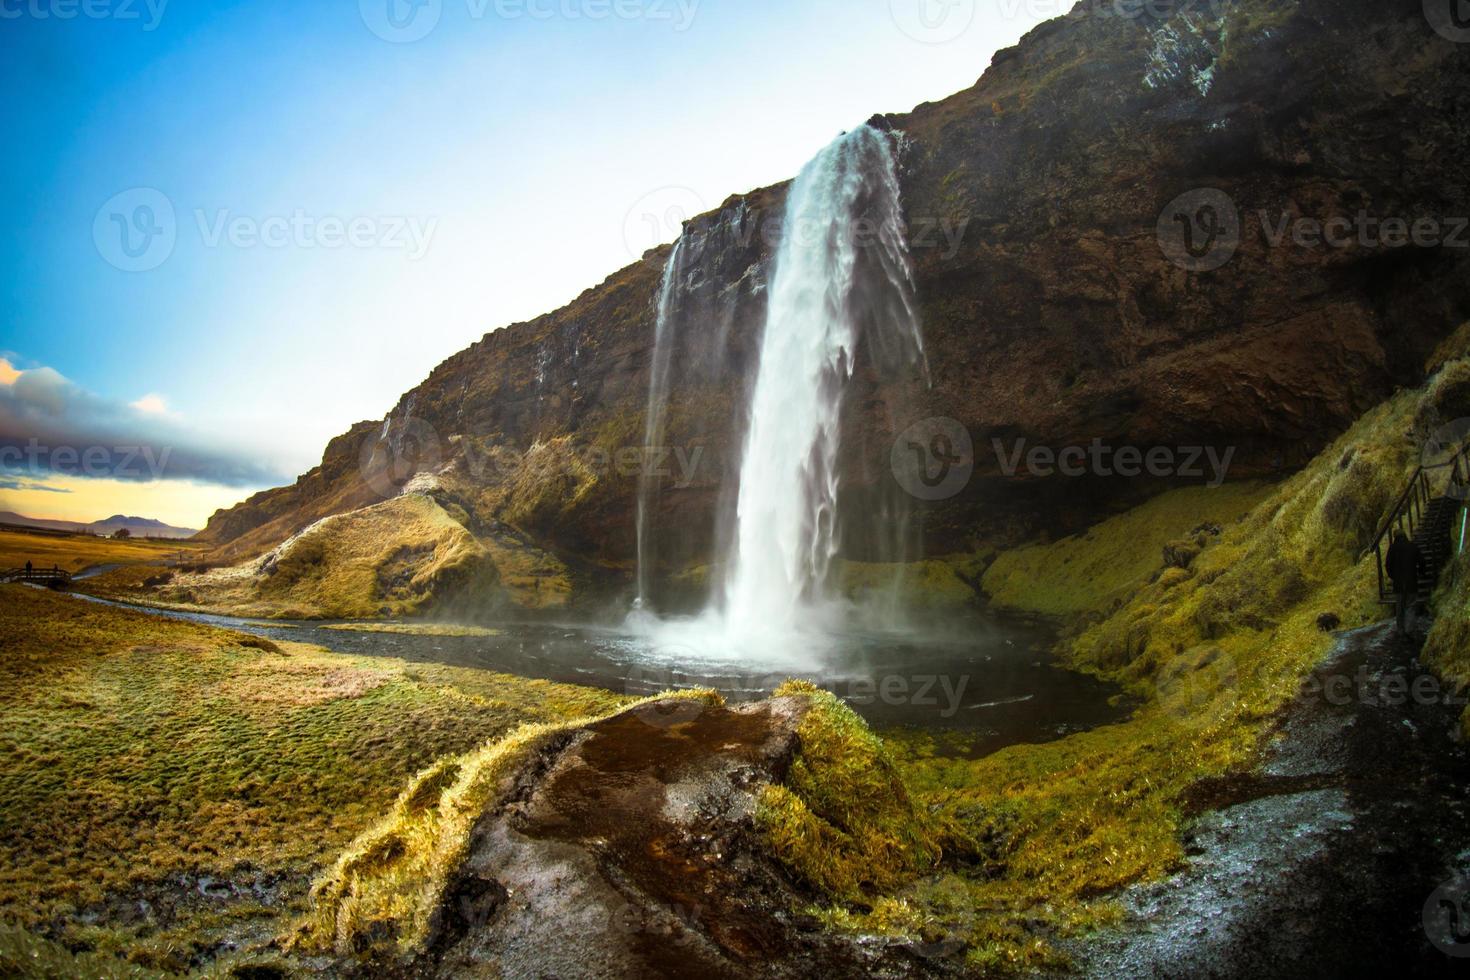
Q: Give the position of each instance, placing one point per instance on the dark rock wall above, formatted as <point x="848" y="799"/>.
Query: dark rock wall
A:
<point x="1056" y="316"/>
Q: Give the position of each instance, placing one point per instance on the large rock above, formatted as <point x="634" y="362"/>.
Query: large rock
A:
<point x="1056" y="317"/>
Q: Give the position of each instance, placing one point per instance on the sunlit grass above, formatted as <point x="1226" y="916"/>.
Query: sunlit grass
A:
<point x="76" y="552"/>
<point x="138" y="754"/>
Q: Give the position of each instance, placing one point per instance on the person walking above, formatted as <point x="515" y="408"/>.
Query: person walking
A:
<point x="1405" y="565"/>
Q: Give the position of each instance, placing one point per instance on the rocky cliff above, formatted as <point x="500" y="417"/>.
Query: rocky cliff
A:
<point x="1118" y="235"/>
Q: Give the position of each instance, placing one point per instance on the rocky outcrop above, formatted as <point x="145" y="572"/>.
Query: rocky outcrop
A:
<point x="633" y="845"/>
<point x="1112" y="235"/>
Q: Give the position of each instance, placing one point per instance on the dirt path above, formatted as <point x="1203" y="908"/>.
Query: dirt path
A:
<point x="1323" y="863"/>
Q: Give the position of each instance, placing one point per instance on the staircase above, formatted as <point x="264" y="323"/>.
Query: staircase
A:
<point x="1431" y="515"/>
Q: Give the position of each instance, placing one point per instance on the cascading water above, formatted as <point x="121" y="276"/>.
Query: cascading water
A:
<point x="658" y="401"/>
<point x="842" y="265"/>
<point x="842" y="275"/>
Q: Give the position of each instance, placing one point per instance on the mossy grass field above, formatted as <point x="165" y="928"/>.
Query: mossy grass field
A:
<point x="168" y="791"/>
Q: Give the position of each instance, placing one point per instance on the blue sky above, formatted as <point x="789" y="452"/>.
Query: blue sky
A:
<point x="489" y="171"/>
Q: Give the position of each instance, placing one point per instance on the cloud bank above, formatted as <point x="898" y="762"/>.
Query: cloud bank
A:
<point x="51" y="425"/>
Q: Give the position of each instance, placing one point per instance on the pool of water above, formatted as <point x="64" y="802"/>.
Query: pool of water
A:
<point x="991" y="681"/>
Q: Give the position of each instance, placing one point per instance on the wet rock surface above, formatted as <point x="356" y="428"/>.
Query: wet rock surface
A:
<point x="1322" y="863"/>
<point x="630" y="852"/>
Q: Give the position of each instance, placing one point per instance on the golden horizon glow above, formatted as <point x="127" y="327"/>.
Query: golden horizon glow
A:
<point x="176" y="503"/>
<point x="8" y="372"/>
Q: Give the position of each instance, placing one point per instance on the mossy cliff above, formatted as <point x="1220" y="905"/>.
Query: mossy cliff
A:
<point x="1051" y="313"/>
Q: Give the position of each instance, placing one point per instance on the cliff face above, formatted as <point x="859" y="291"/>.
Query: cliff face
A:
<point x="1112" y="241"/>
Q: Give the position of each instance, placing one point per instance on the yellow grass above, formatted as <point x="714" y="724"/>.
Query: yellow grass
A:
<point x="76" y="552"/>
<point x="138" y="753"/>
<point x="403" y="557"/>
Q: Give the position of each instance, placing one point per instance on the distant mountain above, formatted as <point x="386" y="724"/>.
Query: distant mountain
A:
<point x="138" y="527"/>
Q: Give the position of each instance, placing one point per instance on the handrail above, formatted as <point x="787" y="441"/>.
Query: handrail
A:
<point x="35" y="575"/>
<point x="1411" y="506"/>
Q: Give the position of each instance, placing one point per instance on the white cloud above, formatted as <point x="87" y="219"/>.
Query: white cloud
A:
<point x="151" y="404"/>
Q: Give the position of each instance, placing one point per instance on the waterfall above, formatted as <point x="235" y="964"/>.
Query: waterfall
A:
<point x="842" y="273"/>
<point x="658" y="401"/>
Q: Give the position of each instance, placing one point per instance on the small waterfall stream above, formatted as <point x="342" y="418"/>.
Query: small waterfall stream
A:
<point x="658" y="403"/>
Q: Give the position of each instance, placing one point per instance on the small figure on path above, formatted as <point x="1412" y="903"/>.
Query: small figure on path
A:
<point x="1404" y="566"/>
<point x="28" y="569"/>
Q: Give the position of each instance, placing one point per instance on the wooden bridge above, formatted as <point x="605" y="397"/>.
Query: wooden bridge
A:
<point x="51" y="577"/>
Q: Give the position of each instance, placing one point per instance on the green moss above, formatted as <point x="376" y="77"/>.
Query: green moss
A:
<point x="844" y="820"/>
<point x="1213" y="652"/>
<point x="1112" y="560"/>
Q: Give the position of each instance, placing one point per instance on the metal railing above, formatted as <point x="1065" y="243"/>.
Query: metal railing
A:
<point x="44" y="576"/>
<point x="1412" y="507"/>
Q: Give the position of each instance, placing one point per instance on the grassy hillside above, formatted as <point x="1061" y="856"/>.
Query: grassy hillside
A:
<point x="1214" y="645"/>
<point x="1112" y="560"/>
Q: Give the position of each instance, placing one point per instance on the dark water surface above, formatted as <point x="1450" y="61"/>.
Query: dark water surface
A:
<point x="992" y="682"/>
